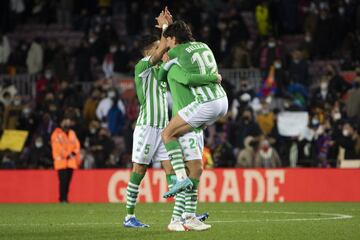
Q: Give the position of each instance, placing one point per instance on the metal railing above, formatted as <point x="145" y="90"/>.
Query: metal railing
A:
<point x="235" y="75"/>
<point x="26" y="84"/>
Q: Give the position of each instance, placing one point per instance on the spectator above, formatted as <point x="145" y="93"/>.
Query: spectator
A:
<point x="353" y="99"/>
<point x="34" y="60"/>
<point x="102" y="148"/>
<point x="262" y="19"/>
<point x="223" y="152"/>
<point x="322" y="94"/>
<point x="5" y="51"/>
<point x="83" y="62"/>
<point x="90" y="139"/>
<point x="299" y="69"/>
<point x="265" y="118"/>
<point x="246" y="127"/>
<point x="17" y="59"/>
<point x="105" y="105"/>
<point x="323" y="145"/>
<point x="268" y="54"/>
<point x="239" y="56"/>
<point x="350" y="141"/>
<point x="40" y="155"/>
<point x="267" y="156"/>
<point x="116" y="118"/>
<point x="8" y="161"/>
<point x="64" y="10"/>
<point x="246" y="156"/>
<point x="91" y="103"/>
<point x="121" y="59"/>
<point x="12" y="113"/>
<point x="306" y="46"/>
<point x="207" y="158"/>
<point x="336" y="83"/>
<point x="66" y="155"/>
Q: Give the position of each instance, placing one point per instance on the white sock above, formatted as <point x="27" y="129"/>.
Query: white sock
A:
<point x="175" y="219"/>
<point x="186" y="215"/>
<point x="128" y="216"/>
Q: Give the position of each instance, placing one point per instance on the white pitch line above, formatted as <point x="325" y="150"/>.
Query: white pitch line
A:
<point x="328" y="216"/>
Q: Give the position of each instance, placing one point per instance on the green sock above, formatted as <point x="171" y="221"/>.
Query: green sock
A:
<point x="191" y="198"/>
<point x="179" y="206"/>
<point x="175" y="154"/>
<point x="133" y="191"/>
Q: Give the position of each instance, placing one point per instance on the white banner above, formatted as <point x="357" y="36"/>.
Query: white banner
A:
<point x="291" y="124"/>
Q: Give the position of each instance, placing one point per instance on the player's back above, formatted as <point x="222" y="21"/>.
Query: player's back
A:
<point x="197" y="57"/>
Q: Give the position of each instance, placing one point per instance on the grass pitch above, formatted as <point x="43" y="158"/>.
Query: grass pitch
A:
<point x="229" y="221"/>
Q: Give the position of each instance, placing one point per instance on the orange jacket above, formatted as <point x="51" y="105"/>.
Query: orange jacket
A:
<point x="65" y="149"/>
<point x="207" y="159"/>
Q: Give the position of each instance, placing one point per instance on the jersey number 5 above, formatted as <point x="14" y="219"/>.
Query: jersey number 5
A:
<point x="204" y="60"/>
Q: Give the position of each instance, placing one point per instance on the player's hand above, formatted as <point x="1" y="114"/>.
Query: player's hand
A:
<point x="219" y="78"/>
<point x="168" y="16"/>
<point x="165" y="57"/>
<point x="161" y="20"/>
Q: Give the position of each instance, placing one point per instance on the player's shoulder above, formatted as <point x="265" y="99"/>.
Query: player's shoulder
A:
<point x="142" y="65"/>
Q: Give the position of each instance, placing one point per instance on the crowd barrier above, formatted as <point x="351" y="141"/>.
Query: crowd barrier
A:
<point x="219" y="185"/>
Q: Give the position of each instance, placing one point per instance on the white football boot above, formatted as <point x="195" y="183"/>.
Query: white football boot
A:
<point x="176" y="225"/>
<point x="192" y="223"/>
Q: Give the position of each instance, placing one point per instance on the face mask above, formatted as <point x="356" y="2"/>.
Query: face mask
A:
<point x="265" y="111"/>
<point x="91" y="40"/>
<point x="315" y="122"/>
<point x="277" y="65"/>
<point x="38" y="144"/>
<point x="111" y="94"/>
<point x="26" y="111"/>
<point x="113" y="49"/>
<point x="92" y="130"/>
<point x="17" y="102"/>
<point x="345" y="132"/>
<point x="271" y="44"/>
<point x="341" y="11"/>
<point x="246" y="119"/>
<point x="307" y="39"/>
<point x="48" y="75"/>
<point x="337" y="116"/>
<point x="66" y="128"/>
<point x="323" y="86"/>
<point x="296" y="61"/>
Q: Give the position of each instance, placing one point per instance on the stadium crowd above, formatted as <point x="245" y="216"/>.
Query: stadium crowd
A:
<point x="104" y="114"/>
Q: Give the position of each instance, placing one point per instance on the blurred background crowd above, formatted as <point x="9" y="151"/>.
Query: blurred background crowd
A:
<point x="80" y="55"/>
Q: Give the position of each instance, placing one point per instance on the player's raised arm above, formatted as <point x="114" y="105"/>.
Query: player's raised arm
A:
<point x="163" y="21"/>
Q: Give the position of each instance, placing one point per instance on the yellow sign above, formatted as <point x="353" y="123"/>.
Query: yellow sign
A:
<point x="13" y="140"/>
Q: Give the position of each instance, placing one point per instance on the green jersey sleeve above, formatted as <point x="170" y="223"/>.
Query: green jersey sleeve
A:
<point x="191" y="79"/>
<point x="142" y="66"/>
<point x="162" y="74"/>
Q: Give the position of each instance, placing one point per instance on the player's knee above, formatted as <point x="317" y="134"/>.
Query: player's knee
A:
<point x="139" y="168"/>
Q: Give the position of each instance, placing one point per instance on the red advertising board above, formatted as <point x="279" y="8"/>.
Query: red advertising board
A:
<point x="219" y="185"/>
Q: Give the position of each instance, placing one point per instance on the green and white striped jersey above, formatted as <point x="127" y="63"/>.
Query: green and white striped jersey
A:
<point x="151" y="94"/>
<point x="197" y="57"/>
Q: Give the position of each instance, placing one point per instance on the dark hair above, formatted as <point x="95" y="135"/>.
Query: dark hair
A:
<point x="146" y="41"/>
<point x="181" y="31"/>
